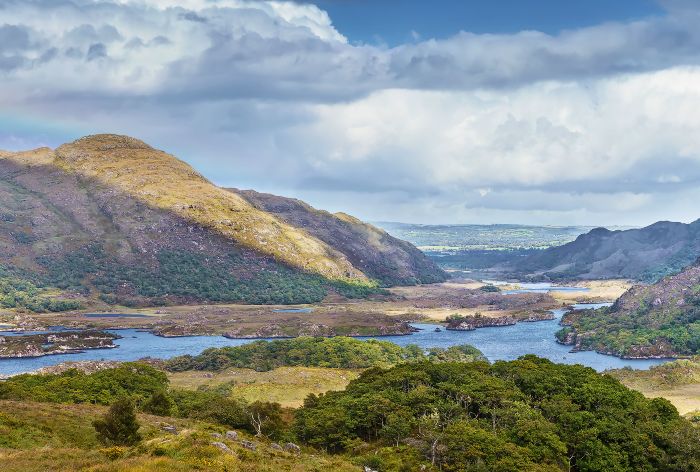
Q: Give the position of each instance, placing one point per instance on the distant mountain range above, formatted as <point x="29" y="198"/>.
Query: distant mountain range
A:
<point x="646" y="254"/>
<point x="110" y="217"/>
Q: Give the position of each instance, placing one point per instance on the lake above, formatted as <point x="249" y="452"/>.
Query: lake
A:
<point x="497" y="343"/>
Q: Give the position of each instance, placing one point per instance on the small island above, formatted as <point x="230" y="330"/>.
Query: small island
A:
<point x="46" y="344"/>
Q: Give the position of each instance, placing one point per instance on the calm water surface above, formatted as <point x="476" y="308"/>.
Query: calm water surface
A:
<point x="498" y="343"/>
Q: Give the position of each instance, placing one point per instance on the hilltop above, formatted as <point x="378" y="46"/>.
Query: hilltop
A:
<point x="111" y="217"/>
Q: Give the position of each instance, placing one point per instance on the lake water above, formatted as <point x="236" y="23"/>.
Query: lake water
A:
<point x="535" y="287"/>
<point x="497" y="343"/>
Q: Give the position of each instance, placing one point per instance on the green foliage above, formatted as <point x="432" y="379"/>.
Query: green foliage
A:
<point x="19" y="292"/>
<point x="524" y="415"/>
<point x="119" y="426"/>
<point x="265" y="419"/>
<point x="160" y="404"/>
<point x="187" y="276"/>
<point x="339" y="352"/>
<point x="489" y="288"/>
<point x="463" y="353"/>
<point x="103" y="387"/>
<point x="646" y="331"/>
<point x="213" y="407"/>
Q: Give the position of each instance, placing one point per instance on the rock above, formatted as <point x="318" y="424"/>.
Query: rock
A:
<point x="222" y="446"/>
<point x="276" y="447"/>
<point x="249" y="445"/>
<point x="291" y="447"/>
<point x="232" y="435"/>
<point x="368" y="469"/>
<point x="168" y="428"/>
<point x="216" y="435"/>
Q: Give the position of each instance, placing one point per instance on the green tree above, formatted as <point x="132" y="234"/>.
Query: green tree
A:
<point x="119" y="426"/>
<point x="159" y="404"/>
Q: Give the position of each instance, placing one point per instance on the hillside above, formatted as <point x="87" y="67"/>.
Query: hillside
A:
<point x="527" y="415"/>
<point x="644" y="254"/>
<point x="659" y="320"/>
<point x="372" y="250"/>
<point x="110" y="216"/>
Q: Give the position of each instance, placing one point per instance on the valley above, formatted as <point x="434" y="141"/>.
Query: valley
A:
<point x="217" y="308"/>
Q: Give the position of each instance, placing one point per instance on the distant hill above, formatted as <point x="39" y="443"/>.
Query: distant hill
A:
<point x="644" y="254"/>
<point x="109" y="216"/>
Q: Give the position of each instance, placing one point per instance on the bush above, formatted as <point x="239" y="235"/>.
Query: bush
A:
<point x="159" y="404"/>
<point x="119" y="426"/>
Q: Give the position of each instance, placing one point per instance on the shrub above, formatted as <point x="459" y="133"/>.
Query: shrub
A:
<point x="119" y="426"/>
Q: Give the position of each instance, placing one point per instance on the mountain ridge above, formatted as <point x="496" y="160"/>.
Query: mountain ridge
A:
<point x="646" y="254"/>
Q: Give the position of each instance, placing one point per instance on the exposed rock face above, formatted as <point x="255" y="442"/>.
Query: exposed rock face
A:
<point x="644" y="254"/>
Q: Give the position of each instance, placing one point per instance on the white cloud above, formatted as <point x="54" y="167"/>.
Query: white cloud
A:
<point x="561" y="128"/>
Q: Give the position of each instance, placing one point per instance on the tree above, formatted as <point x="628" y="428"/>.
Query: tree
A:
<point x="159" y="404"/>
<point x="119" y="426"/>
<point x="265" y="418"/>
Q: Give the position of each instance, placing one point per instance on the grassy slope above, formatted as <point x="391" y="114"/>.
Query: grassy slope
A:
<point x="288" y="386"/>
<point x="41" y="437"/>
<point x="678" y="382"/>
<point x="162" y="181"/>
<point x="370" y="249"/>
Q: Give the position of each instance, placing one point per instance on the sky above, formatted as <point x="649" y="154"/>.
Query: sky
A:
<point x="506" y="111"/>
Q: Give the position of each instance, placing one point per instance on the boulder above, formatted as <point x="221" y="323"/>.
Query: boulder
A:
<point x="232" y="435"/>
<point x="222" y="446"/>
<point x="249" y="445"/>
<point x="291" y="447"/>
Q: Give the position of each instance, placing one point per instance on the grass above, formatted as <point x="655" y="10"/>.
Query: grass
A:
<point x="288" y="386"/>
<point x="678" y="382"/>
<point x="41" y="437"/>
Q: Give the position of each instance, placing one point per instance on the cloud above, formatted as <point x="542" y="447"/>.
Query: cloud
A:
<point x="573" y="126"/>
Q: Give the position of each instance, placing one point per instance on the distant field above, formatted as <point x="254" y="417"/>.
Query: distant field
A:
<point x="477" y="247"/>
<point x="485" y="237"/>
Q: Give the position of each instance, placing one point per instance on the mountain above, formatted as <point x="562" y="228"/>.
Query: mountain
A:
<point x="110" y="216"/>
<point x="370" y="249"/>
<point x="645" y="254"/>
<point x="658" y="320"/>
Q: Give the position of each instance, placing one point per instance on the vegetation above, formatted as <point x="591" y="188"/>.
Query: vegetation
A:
<point x="135" y="380"/>
<point x="46" y="437"/>
<point x="524" y="415"/>
<point x="187" y="276"/>
<point x="21" y="293"/>
<point x="647" y="331"/>
<point x="288" y="386"/>
<point x="119" y="426"/>
<point x="337" y="352"/>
